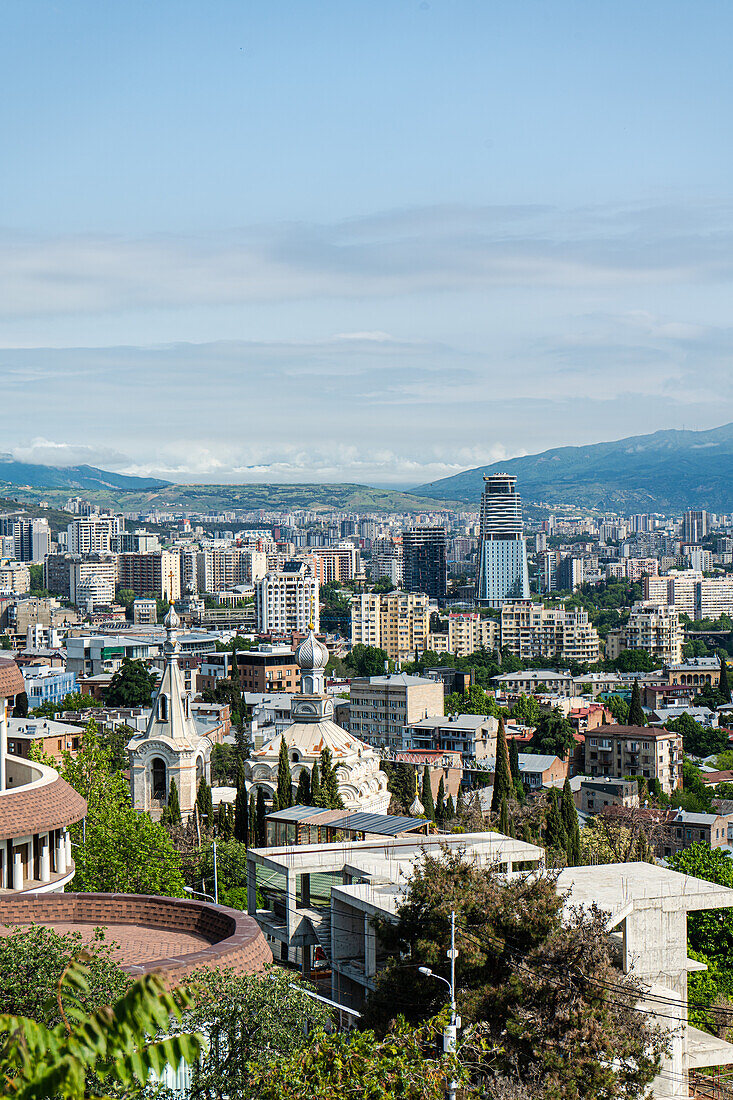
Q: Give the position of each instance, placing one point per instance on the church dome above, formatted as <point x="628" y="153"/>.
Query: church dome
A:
<point x="311" y="654"/>
<point x="171" y="621"/>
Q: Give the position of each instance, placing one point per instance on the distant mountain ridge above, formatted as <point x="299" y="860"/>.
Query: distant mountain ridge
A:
<point x="36" y="476"/>
<point x="668" y="470"/>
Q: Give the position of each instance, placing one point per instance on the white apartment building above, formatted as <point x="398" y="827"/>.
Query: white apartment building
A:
<point x="15" y="577"/>
<point x="398" y="623"/>
<point x="92" y="578"/>
<point x="653" y="627"/>
<point x="632" y="569"/>
<point x="467" y="633"/>
<point x="92" y="535"/>
<point x="287" y="600"/>
<point x="691" y="593"/>
<point x="221" y="569"/>
<point x="530" y="630"/>
<point x="387" y="562"/>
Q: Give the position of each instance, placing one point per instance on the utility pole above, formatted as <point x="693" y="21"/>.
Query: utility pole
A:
<point x="216" y="879"/>
<point x="450" y="1034"/>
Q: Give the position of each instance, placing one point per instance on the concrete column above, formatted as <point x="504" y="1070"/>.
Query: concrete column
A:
<point x="370" y="948"/>
<point x="45" y="875"/>
<point x="17" y="870"/>
<point x="3" y="742"/>
<point x="251" y="887"/>
<point x="60" y="854"/>
<point x="305" y="891"/>
<point x="290" y="902"/>
<point x="67" y="842"/>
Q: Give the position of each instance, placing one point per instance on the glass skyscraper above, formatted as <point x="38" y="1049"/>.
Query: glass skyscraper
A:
<point x="502" y="571"/>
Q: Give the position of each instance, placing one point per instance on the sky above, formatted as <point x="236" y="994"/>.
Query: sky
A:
<point x="379" y="241"/>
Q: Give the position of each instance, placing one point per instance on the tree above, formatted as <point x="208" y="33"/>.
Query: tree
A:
<point x="554" y="735"/>
<point x="619" y="708"/>
<point x="328" y="794"/>
<point x="711" y="930"/>
<point x="241" y="808"/>
<point x="636" y="714"/>
<point x="131" y="686"/>
<point x="504" y="818"/>
<point x="473" y="701"/>
<point x="204" y="802"/>
<point x="514" y="759"/>
<point x="231" y="871"/>
<point x="32" y="962"/>
<point x="303" y="790"/>
<point x="635" y="660"/>
<point x="253" y="1023"/>
<point x="427" y="794"/>
<point x="172" y="811"/>
<point x="20" y="710"/>
<point x="724" y="686"/>
<point x="527" y="711"/>
<point x="556" y="839"/>
<point x="284" y="778"/>
<point x="405" y="1064"/>
<point x="440" y="801"/>
<point x="112" y="1044"/>
<point x="261" y="818"/>
<point x="569" y="815"/>
<point x="121" y="851"/>
<point x="538" y="990"/>
<point x="698" y="740"/>
<point x="253" y="834"/>
<point x="450" y="810"/>
<point x="503" y="786"/>
<point x="224" y="761"/>
<point x="5" y="643"/>
<point x="315" y="784"/>
<point x="366" y="660"/>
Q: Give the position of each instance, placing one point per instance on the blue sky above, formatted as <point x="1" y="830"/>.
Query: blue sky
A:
<point x="360" y="240"/>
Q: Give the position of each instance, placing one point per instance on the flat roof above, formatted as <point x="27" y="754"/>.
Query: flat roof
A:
<point x="382" y="824"/>
<point x="459" y="721"/>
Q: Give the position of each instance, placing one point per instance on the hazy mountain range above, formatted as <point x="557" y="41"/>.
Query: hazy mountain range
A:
<point x="666" y="471"/>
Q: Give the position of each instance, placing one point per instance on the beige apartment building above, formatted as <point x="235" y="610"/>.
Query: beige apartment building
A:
<point x="381" y="707"/>
<point x="15" y="577"/>
<point x="467" y="633"/>
<point x="617" y="751"/>
<point x="692" y="593"/>
<point x="398" y="623"/>
<point x="530" y="630"/>
<point x="218" y="570"/>
<point x="653" y="627"/>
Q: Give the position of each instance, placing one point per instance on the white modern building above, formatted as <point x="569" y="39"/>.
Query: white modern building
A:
<point x="287" y="600"/>
<point x="502" y="572"/>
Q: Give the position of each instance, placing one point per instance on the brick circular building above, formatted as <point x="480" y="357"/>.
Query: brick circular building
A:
<point x="172" y="935"/>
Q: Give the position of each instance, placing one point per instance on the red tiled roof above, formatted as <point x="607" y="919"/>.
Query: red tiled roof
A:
<point x="11" y="679"/>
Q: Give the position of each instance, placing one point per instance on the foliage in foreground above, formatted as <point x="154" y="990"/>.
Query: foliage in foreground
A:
<point x="112" y="1044"/>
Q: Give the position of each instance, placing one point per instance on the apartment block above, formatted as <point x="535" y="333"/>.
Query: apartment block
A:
<point x="398" y="622"/>
<point x="14" y="577"/>
<point x="286" y="600"/>
<point x="653" y="627"/>
<point x="222" y="569"/>
<point x="381" y="707"/>
<point x="692" y="594"/>
<point x="31" y="538"/>
<point x="269" y="668"/>
<point x="93" y="577"/>
<point x="617" y="751"/>
<point x="425" y="561"/>
<point x="157" y="574"/>
<point x="529" y="630"/>
<point x="335" y="563"/>
<point x="467" y="633"/>
<point x="93" y="534"/>
<point x="473" y="735"/>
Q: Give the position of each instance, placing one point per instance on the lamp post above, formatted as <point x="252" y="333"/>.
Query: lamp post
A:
<point x="198" y="893"/>
<point x="450" y="1032"/>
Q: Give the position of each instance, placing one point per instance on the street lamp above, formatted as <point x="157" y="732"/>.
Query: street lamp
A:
<point x="198" y="893"/>
<point x="450" y="1031"/>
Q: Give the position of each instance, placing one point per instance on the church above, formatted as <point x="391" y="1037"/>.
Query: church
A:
<point x="362" y="784"/>
<point x="172" y="747"/>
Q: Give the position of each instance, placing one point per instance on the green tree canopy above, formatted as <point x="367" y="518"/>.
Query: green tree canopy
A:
<point x="366" y="660"/>
<point x="698" y="740"/>
<point x="131" y="686"/>
<point x="636" y="712"/>
<point x="284" y="778"/>
<point x="554" y="735"/>
<point x="503" y="787"/>
<point x="473" y="701"/>
<point x="711" y="930"/>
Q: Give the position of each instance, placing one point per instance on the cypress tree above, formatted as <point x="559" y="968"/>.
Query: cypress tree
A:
<point x="555" y="836"/>
<point x="460" y="804"/>
<point x="315" y="785"/>
<point x="284" y="778"/>
<point x="503" y="786"/>
<point x="636" y="714"/>
<point x="223" y="822"/>
<point x="569" y="816"/>
<point x="329" y="797"/>
<point x="173" y="809"/>
<point x="303" y="790"/>
<point x="440" y="801"/>
<point x="504" y="818"/>
<point x="204" y="802"/>
<point x="261" y="818"/>
<point x="514" y="758"/>
<point x="427" y="794"/>
<point x="450" y="810"/>
<point x="254" y="839"/>
<point x="241" y="809"/>
<point x="723" y="686"/>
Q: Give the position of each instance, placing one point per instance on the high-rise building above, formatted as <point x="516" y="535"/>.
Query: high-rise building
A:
<point x="425" y="561"/>
<point x="397" y="622"/>
<point x="287" y="600"/>
<point x="694" y="527"/>
<point x="157" y="574"/>
<point x="94" y="534"/>
<point x="502" y="573"/>
<point x="31" y="537"/>
<point x="570" y="573"/>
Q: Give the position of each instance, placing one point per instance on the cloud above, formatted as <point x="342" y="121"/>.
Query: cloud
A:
<point x="46" y="452"/>
<point x="396" y="253"/>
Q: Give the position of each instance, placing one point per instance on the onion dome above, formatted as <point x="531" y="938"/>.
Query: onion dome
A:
<point x="311" y="655"/>
<point x="417" y="808"/>
<point x="171" y="621"/>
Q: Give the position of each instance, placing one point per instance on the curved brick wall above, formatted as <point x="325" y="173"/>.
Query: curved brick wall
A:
<point x="39" y="808"/>
<point x="235" y="939"/>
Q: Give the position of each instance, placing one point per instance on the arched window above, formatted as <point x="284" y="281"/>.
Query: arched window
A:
<point x="296" y="757"/>
<point x="160" y="787"/>
<point x="162" y="708"/>
<point x="199" y="768"/>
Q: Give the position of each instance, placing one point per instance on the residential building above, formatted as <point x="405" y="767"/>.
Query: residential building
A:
<point x="594" y="795"/>
<point x="547" y="562"/>
<point x="534" y="681"/>
<point x="467" y="633"/>
<point x="31" y="538"/>
<point x="44" y="684"/>
<point x="683" y="828"/>
<point x="36" y="809"/>
<point x="653" y="627"/>
<point x="286" y="600"/>
<point x="95" y="654"/>
<point x="695" y="672"/>
<point x="471" y="735"/>
<point x="502" y="572"/>
<point x="144" y="612"/>
<point x="269" y="668"/>
<point x="157" y="575"/>
<point x="14" y="577"/>
<point x="538" y="770"/>
<point x="614" y="752"/>
<point x="694" y="527"/>
<point x="53" y="738"/>
<point x="335" y="563"/>
<point x="397" y="622"/>
<point x="222" y="569"/>
<point x="570" y="573"/>
<point x="387" y="561"/>
<point x="93" y="534"/>
<point x="529" y="630"/>
<point x="425" y="561"/>
<point x="382" y="706"/>
<point x="92" y="577"/>
<point x="692" y="594"/>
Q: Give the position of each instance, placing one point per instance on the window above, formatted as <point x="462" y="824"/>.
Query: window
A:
<point x="159" y="779"/>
